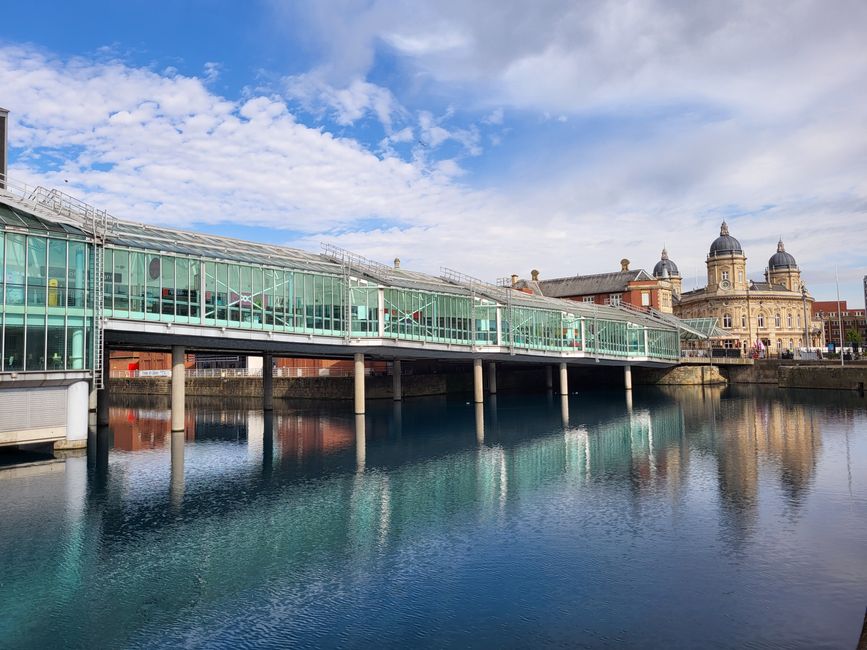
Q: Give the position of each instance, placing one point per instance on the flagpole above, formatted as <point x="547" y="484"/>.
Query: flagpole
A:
<point x="839" y="314"/>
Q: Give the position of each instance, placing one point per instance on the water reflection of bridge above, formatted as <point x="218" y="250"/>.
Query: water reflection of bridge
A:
<point x="305" y="484"/>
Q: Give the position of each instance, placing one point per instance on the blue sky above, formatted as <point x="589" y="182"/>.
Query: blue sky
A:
<point x="493" y="136"/>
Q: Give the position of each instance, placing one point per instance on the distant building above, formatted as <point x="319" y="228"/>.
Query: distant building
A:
<point x="776" y="312"/>
<point x="852" y="319"/>
<point x="633" y="287"/>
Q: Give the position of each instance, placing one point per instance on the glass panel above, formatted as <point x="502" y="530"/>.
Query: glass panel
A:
<point x="13" y="344"/>
<point x="15" y="267"/>
<point x="35" y="342"/>
<point x="57" y="273"/>
<point x="154" y="276"/>
<point x="75" y="343"/>
<point x="168" y="283"/>
<point x="136" y="283"/>
<point x="56" y="342"/>
<point x="195" y="283"/>
<point x="121" y="280"/>
<point x="77" y="274"/>
<point x="36" y="271"/>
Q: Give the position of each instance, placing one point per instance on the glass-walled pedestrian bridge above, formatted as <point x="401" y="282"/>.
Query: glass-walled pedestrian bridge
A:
<point x="156" y="283"/>
<point x="77" y="282"/>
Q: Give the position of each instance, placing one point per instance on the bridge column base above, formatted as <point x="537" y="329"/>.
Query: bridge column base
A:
<point x="359" y="384"/>
<point x="178" y="388"/>
<point x="478" y="390"/>
<point x="627" y="377"/>
<point x="492" y="378"/>
<point x="564" y="380"/>
<point x="267" y="382"/>
<point x="396" y="387"/>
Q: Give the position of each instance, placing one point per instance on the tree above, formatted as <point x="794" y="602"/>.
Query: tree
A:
<point x="853" y="338"/>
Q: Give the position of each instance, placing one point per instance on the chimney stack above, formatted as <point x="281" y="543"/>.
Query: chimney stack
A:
<point x="514" y="279"/>
<point x="397" y="262"/>
<point x="624" y="264"/>
<point x="4" y="132"/>
<point x="534" y="275"/>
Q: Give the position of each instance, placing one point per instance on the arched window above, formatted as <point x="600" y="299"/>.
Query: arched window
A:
<point x="741" y="277"/>
<point x="779" y="344"/>
<point x="744" y="321"/>
<point x="789" y="321"/>
<point x="777" y="321"/>
<point x="727" y="320"/>
<point x="725" y="275"/>
<point x="761" y="320"/>
<point x="799" y="321"/>
<point x="791" y="344"/>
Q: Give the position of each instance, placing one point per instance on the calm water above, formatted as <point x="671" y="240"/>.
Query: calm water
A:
<point x="690" y="518"/>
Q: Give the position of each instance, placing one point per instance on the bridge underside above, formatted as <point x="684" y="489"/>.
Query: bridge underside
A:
<point x="158" y="336"/>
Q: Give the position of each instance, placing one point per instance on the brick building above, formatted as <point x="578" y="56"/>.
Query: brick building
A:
<point x="852" y="319"/>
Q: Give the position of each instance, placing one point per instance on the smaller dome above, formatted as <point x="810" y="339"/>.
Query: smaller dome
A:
<point x="781" y="259"/>
<point x="665" y="268"/>
<point x="725" y="243"/>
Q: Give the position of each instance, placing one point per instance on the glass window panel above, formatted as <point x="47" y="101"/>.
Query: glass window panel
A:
<point x="121" y="280"/>
<point x="35" y="342"/>
<point x="75" y="351"/>
<point x="36" y="271"/>
<point x="168" y="283"/>
<point x="154" y="275"/>
<point x="57" y="273"/>
<point x="56" y="342"/>
<point x="234" y="293"/>
<point x="77" y="274"/>
<point x="13" y="341"/>
<point x="15" y="270"/>
<point x="195" y="283"/>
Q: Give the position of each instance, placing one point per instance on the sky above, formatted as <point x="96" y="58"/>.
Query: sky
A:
<point x="492" y="136"/>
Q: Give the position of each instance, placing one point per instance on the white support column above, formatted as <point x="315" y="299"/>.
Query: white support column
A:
<point x="646" y="344"/>
<point x="564" y="379"/>
<point x="499" y="326"/>
<point x="564" y="410"/>
<point x="77" y="397"/>
<point x="549" y="377"/>
<point x="627" y="377"/>
<point x="492" y="378"/>
<point x="360" y="442"/>
<point x="176" y="479"/>
<point x="267" y="382"/>
<point x="359" y="383"/>
<point x="178" y="388"/>
<point x="395" y="379"/>
<point x="478" y="390"/>
<point x="480" y="424"/>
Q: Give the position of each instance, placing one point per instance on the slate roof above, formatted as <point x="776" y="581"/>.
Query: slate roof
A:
<point x="766" y="286"/>
<point x="587" y="285"/>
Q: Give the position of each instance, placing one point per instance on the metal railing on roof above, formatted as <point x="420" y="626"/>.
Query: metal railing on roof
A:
<point x="32" y="198"/>
<point x="354" y="260"/>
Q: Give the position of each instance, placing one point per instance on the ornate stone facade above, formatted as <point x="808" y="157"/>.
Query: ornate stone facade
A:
<point x="777" y="312"/>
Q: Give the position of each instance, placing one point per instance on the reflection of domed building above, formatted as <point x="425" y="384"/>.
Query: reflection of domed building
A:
<point x="776" y="312"/>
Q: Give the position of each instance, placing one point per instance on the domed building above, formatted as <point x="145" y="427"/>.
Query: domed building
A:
<point x="666" y="269"/>
<point x="774" y="315"/>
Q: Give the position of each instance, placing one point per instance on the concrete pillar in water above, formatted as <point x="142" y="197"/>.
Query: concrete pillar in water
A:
<point x="564" y="409"/>
<point x="360" y="442"/>
<point x="564" y="380"/>
<point x="267" y="382"/>
<point x="629" y="401"/>
<point x="396" y="378"/>
<point x="480" y="423"/>
<point x="178" y="388"/>
<point x="627" y="377"/>
<point x="492" y="378"/>
<point x="478" y="394"/>
<point x="103" y="396"/>
<point x="549" y="378"/>
<point x="359" y="383"/>
<point x="176" y="482"/>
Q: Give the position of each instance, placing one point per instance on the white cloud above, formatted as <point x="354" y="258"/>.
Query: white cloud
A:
<point x="677" y="114"/>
